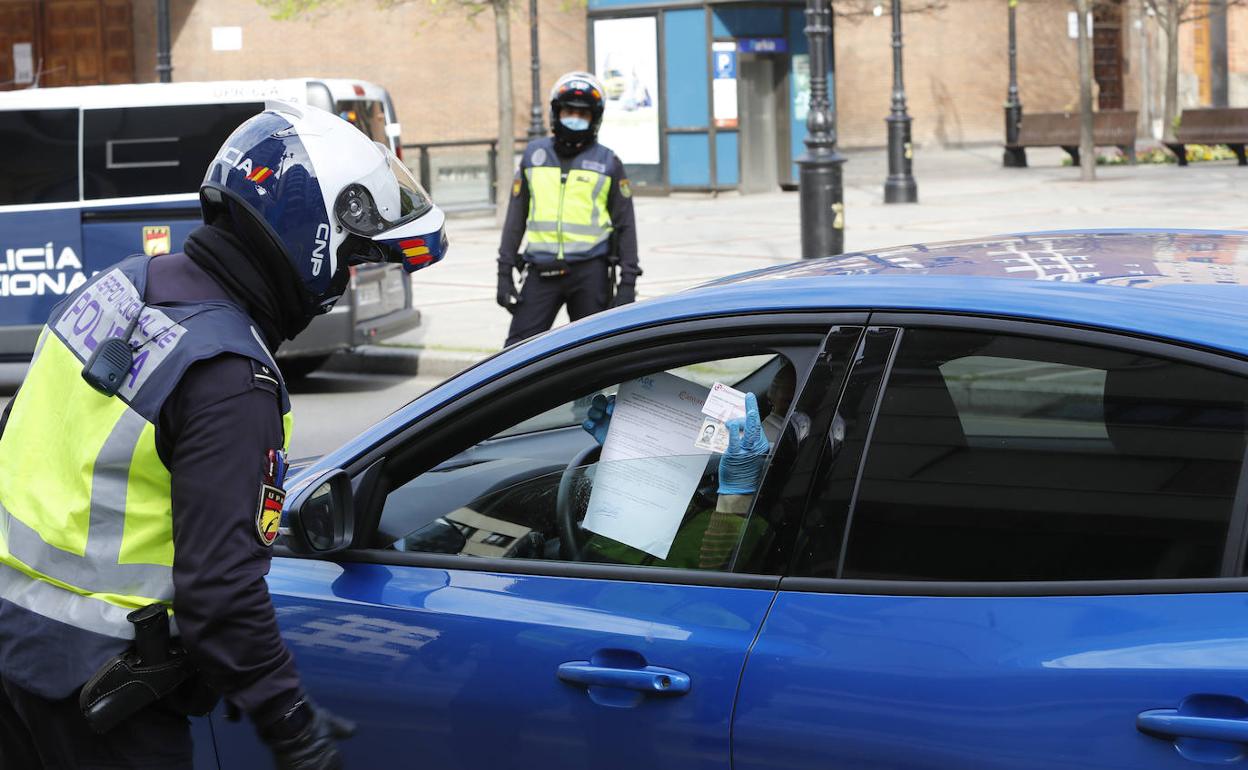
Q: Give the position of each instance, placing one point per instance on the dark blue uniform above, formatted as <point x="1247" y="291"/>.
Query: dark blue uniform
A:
<point x="214" y="433"/>
<point x="581" y="283"/>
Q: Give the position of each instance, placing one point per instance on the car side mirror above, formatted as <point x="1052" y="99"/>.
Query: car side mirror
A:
<point x="319" y="518"/>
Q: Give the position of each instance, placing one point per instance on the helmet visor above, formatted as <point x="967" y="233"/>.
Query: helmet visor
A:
<point x="360" y="212"/>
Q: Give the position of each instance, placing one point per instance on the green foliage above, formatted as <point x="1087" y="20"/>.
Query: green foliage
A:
<point x="285" y="10"/>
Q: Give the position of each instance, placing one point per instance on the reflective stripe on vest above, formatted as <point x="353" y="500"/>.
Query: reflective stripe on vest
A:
<point x="86" y="525"/>
<point x="567" y="218"/>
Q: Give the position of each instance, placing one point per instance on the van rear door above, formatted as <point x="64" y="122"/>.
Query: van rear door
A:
<point x="40" y="239"/>
<point x="142" y="167"/>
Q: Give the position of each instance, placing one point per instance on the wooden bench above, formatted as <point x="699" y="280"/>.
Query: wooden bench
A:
<point x="1111" y="128"/>
<point x="1214" y="125"/>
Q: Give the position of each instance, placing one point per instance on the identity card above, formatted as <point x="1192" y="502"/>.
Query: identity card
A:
<point x="722" y="404"/>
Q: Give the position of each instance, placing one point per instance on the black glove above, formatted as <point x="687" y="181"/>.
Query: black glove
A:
<point x="507" y="296"/>
<point x="625" y="293"/>
<point x="304" y="738"/>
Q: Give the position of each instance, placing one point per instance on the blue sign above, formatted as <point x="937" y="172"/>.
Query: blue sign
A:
<point x="725" y="65"/>
<point x="762" y="45"/>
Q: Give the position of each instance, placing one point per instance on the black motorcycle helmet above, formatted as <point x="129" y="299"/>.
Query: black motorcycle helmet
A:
<point x="581" y="90"/>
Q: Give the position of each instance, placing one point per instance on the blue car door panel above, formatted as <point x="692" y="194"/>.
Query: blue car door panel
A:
<point x="1023" y="554"/>
<point x="463" y="669"/>
<point x="854" y="681"/>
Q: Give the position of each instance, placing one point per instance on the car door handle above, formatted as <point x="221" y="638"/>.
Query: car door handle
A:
<point x="1170" y="724"/>
<point x="647" y="679"/>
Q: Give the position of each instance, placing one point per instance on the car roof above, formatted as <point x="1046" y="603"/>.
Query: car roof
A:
<point x="206" y="92"/>
<point x="1189" y="286"/>
<point x="1185" y="286"/>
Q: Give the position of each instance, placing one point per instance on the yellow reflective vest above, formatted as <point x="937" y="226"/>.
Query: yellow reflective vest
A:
<point x="568" y="215"/>
<point x="86" y="525"/>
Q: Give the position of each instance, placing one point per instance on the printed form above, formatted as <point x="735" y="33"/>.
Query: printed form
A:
<point x="649" y="467"/>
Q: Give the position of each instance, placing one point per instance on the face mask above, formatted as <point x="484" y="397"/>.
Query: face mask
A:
<point x="574" y="124"/>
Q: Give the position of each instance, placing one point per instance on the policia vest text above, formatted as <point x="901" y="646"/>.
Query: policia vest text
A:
<point x="86" y="524"/>
<point x="568" y="218"/>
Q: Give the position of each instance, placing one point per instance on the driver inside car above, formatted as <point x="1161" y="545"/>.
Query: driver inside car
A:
<point x="708" y="538"/>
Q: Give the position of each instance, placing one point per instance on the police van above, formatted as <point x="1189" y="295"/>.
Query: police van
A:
<point x="90" y="175"/>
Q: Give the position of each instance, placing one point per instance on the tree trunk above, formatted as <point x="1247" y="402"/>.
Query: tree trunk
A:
<point x="1087" y="149"/>
<point x="506" y="119"/>
<point x="1170" y="23"/>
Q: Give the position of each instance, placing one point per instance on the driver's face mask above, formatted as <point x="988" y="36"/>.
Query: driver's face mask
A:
<point x="573" y="123"/>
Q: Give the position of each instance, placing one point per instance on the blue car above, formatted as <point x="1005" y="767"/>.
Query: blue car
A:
<point x="1002" y="525"/>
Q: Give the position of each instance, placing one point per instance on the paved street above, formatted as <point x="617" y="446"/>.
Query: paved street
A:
<point x="688" y="239"/>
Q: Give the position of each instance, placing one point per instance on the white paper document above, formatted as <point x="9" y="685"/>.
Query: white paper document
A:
<point x="649" y="467"/>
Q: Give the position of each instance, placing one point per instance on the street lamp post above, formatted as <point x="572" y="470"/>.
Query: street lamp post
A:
<point x="536" y="130"/>
<point x="822" y="195"/>
<point x="900" y="186"/>
<point x="164" y="67"/>
<point x="1015" y="156"/>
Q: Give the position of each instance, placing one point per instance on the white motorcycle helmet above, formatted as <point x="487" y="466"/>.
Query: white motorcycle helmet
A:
<point x="326" y="196"/>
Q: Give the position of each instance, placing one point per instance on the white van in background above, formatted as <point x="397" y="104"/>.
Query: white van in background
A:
<point x="92" y="174"/>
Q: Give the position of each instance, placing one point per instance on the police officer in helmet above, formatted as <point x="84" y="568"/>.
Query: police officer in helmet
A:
<point x="142" y="460"/>
<point x="574" y="203"/>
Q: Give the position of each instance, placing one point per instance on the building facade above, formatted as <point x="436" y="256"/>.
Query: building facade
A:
<point x="703" y="94"/>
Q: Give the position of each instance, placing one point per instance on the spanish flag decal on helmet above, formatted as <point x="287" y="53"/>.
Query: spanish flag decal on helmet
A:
<point x="415" y="252"/>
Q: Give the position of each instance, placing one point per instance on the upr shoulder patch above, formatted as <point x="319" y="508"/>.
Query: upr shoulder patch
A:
<point x="269" y="513"/>
<point x="626" y="189"/>
<point x="515" y="188"/>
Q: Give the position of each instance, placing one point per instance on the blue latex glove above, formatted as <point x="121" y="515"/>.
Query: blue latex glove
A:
<point x="599" y="421"/>
<point x="742" y="463"/>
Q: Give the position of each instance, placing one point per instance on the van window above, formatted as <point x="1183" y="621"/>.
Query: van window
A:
<point x="368" y="116"/>
<point x="132" y="151"/>
<point x="40" y="159"/>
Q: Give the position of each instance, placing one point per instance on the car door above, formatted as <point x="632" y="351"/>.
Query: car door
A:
<point x="462" y="634"/>
<point x="1025" y="555"/>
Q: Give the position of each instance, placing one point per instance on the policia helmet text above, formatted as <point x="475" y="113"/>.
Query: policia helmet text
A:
<point x="324" y="197"/>
<point x="579" y="90"/>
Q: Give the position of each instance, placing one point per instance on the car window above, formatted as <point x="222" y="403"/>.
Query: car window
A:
<point x="729" y="371"/>
<point x="133" y="151"/>
<point x="40" y="161"/>
<point x="1002" y="458"/>
<point x="367" y="115"/>
<point x="539" y="489"/>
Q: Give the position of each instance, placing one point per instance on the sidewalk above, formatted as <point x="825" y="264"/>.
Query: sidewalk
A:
<point x="687" y="239"/>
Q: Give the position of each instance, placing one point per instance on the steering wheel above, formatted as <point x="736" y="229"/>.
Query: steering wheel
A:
<point x="565" y="508"/>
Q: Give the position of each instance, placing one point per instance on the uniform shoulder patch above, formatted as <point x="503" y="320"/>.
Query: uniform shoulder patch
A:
<point x="515" y="188"/>
<point x="269" y="513"/>
<point x="272" y="496"/>
<point x="626" y="189"/>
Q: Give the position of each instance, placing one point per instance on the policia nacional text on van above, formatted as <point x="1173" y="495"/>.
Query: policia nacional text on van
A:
<point x="142" y="460"/>
<point x="572" y="200"/>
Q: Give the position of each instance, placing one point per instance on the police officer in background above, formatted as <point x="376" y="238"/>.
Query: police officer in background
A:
<point x="574" y="203"/>
<point x="142" y="460"/>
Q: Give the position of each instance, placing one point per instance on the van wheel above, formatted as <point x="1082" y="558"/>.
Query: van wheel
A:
<point x="298" y="368"/>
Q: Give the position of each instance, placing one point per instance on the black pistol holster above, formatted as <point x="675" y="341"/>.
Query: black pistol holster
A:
<point x="153" y="670"/>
